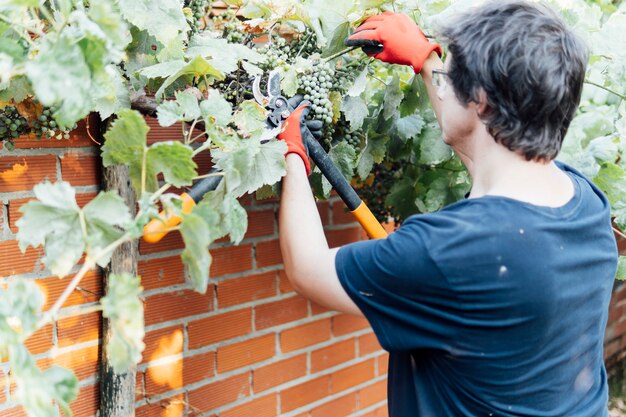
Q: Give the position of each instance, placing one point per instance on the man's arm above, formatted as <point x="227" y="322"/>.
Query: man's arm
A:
<point x="309" y="263"/>
<point x="433" y="62"/>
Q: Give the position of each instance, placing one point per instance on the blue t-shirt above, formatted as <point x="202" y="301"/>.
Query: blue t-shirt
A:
<point x="492" y="306"/>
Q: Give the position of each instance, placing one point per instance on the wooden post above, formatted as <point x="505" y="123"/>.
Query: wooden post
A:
<point x="117" y="391"/>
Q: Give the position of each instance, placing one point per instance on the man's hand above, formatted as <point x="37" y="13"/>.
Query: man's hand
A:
<point x="295" y="127"/>
<point x="394" y="38"/>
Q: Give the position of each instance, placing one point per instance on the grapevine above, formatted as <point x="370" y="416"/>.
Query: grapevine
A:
<point x="12" y="125"/>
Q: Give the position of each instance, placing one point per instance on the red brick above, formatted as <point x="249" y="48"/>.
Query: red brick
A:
<point x="19" y="263"/>
<point x="268" y="253"/>
<point x="353" y="376"/>
<point x="3" y="384"/>
<point x="339" y="407"/>
<point x="616" y="313"/>
<point x="372" y="394"/>
<point x="219" y="393"/>
<point x="305" y="335"/>
<point x="198" y="367"/>
<point x="305" y="393"/>
<point x="88" y="291"/>
<point x="245" y="353"/>
<point x="368" y="344"/>
<point x="171" y="241"/>
<point x="140" y="391"/>
<point x="78" y="329"/>
<point x="279" y="312"/>
<point x="158" y="133"/>
<point x="204" y="162"/>
<point x="261" y="223"/>
<point x="341" y="214"/>
<point x="219" y="327"/>
<point x="332" y="355"/>
<point x="167" y="407"/>
<point x="260" y="407"/>
<point x="318" y="309"/>
<point x="163" y="272"/>
<point x="323" y="208"/>
<point x="87" y="402"/>
<point x="285" y="284"/>
<point x="177" y="304"/>
<point x="164" y="377"/>
<point x="278" y="373"/>
<point x="78" y="138"/>
<point x="378" y="412"/>
<point x="345" y="323"/>
<point x="163" y="343"/>
<point x="83" y="362"/>
<point x="80" y="169"/>
<point x="245" y="289"/>
<point x="383" y="363"/>
<point x="342" y="237"/>
<point x="22" y="173"/>
<point x="231" y="259"/>
<point x="40" y="341"/>
<point x="14" y="207"/>
<point x="15" y="411"/>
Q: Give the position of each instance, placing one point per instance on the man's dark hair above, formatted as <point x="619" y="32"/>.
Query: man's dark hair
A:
<point x="531" y="67"/>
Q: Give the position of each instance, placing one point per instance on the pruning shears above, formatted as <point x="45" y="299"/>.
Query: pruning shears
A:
<point x="279" y="108"/>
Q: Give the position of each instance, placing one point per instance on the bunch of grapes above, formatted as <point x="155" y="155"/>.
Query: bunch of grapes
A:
<point x="12" y="125"/>
<point x="315" y="85"/>
<point x="232" y="28"/>
<point x="375" y="188"/>
<point x="46" y="127"/>
<point x="199" y="9"/>
<point x="276" y="54"/>
<point x="304" y="45"/>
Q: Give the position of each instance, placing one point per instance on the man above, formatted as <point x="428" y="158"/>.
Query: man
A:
<point x="495" y="305"/>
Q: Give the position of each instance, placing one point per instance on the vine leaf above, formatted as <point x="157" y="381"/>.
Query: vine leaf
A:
<point x="174" y="160"/>
<point x="196" y="257"/>
<point x="250" y="165"/>
<point x="53" y="221"/>
<point x="355" y="111"/>
<point x="360" y="83"/>
<point x="374" y="152"/>
<point x="409" y="127"/>
<point x="20" y="303"/>
<point x="197" y="67"/>
<point x="335" y="43"/>
<point x="432" y="149"/>
<point x="163" y="19"/>
<point x="124" y="309"/>
<point x="250" y="118"/>
<point x="216" y="109"/>
<point x="184" y="108"/>
<point x="621" y="268"/>
<point x="223" y="55"/>
<point x="393" y="97"/>
<point x="343" y="156"/>
<point x="231" y="219"/>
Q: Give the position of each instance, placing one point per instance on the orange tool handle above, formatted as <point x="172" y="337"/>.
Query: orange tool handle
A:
<point x="156" y="229"/>
<point x="369" y="223"/>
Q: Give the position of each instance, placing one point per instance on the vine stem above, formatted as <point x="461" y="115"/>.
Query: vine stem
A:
<point x="214" y="174"/>
<point x="623" y="97"/>
<point x="338" y="54"/>
<point x="619" y="232"/>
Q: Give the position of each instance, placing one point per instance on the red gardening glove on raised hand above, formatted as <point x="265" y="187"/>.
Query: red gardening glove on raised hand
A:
<point x="393" y="38"/>
<point x="295" y="127"/>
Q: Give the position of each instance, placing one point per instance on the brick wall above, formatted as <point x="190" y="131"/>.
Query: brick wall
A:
<point x="250" y="346"/>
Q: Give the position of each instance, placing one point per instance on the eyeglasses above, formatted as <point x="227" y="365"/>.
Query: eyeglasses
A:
<point x="439" y="77"/>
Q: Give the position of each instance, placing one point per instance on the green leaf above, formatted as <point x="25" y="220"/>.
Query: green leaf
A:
<point x="621" y="268"/>
<point x="61" y="78"/>
<point x="105" y="216"/>
<point x="393" y="97"/>
<point x="65" y="385"/>
<point x="20" y="304"/>
<point x="216" y="108"/>
<point x="110" y="92"/>
<point x="335" y="43"/>
<point x="250" y="118"/>
<point x="184" y="108"/>
<point x="336" y="100"/>
<point x="409" y="127"/>
<point x="174" y="160"/>
<point x="360" y="83"/>
<point x="163" y="69"/>
<point x="53" y="221"/>
<point x="197" y="67"/>
<point x="416" y="99"/>
<point x="163" y="19"/>
<point x="224" y="215"/>
<point x="196" y="257"/>
<point x="374" y="152"/>
<point x="124" y="309"/>
<point x="612" y="181"/>
<point x="125" y="144"/>
<point x="355" y="111"/>
<point x="343" y="156"/>
<point x="432" y="149"/>
<point x="223" y="55"/>
<point x="403" y="195"/>
<point x="250" y="165"/>
<point x="289" y="81"/>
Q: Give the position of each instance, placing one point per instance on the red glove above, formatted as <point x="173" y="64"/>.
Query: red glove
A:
<point x="394" y="38"/>
<point x="292" y="134"/>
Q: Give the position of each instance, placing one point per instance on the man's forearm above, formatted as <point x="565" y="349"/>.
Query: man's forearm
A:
<point x="433" y="62"/>
<point x="302" y="238"/>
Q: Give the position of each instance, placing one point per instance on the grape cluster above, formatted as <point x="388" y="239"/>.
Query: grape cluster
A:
<point x="275" y="53"/>
<point x="12" y="125"/>
<point x="315" y="85"/>
<point x="376" y="187"/>
<point x="232" y="28"/>
<point x="354" y="139"/>
<point x="304" y="45"/>
<point x="199" y="9"/>
<point x="46" y="127"/>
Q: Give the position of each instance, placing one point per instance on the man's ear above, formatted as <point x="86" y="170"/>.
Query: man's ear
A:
<point x="482" y="107"/>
